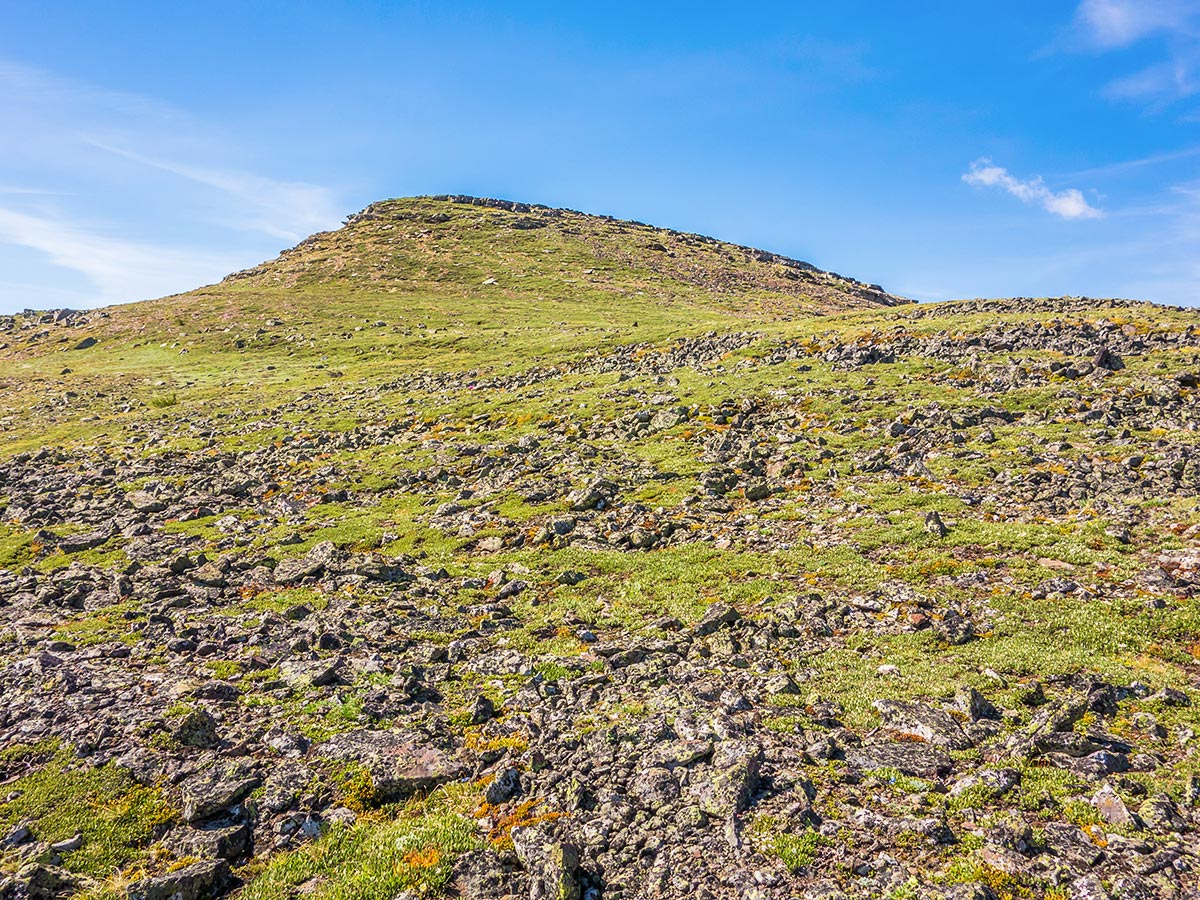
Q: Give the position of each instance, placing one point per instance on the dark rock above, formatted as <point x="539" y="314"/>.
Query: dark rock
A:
<point x="917" y="760"/>
<point x="205" y="879"/>
<point x="311" y="672"/>
<point x="715" y="617"/>
<point x="41" y="881"/>
<point x="1072" y="844"/>
<point x="228" y="842"/>
<point x="504" y="786"/>
<point x="196" y="728"/>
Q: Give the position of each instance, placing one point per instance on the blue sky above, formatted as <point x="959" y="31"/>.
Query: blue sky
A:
<point x="943" y="149"/>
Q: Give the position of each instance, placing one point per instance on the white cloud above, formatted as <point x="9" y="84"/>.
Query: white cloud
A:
<point x="120" y="270"/>
<point x="1066" y="204"/>
<point x="1118" y="23"/>
<point x="284" y="209"/>
<point x="1106" y="25"/>
<point x="79" y="164"/>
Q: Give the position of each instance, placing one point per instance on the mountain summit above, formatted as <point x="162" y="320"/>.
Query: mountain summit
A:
<point x="525" y="248"/>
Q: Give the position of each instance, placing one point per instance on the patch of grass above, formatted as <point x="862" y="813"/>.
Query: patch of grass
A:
<point x="118" y="818"/>
<point x="224" y="668"/>
<point x="102" y="626"/>
<point x="17" y="548"/>
<point x="376" y="857"/>
<point x="904" y="783"/>
<point x="796" y="850"/>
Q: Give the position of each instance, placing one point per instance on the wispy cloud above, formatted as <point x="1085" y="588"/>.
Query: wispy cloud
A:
<point x="1170" y="80"/>
<point x="285" y="209"/>
<point x="1153" y="159"/>
<point x="79" y="162"/>
<point x="1066" y="204"/>
<point x="1107" y="25"/>
<point x="121" y="270"/>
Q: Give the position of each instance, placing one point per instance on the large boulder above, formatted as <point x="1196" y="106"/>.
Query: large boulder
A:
<point x="726" y="787"/>
<point x="213" y="791"/>
<point x="552" y="863"/>
<point x="923" y="721"/>
<point x="400" y="763"/>
<point x="208" y="878"/>
<point x="917" y="760"/>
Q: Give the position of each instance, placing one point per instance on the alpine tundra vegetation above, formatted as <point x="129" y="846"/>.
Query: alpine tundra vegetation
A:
<point x="485" y="549"/>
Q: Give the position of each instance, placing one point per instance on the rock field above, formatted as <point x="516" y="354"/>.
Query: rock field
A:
<point x="896" y="602"/>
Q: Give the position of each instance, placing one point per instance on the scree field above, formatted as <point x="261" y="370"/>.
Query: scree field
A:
<point x="490" y="550"/>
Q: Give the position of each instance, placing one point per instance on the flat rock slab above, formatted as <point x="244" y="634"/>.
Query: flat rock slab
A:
<point x="209" y="878"/>
<point x="311" y="672"/>
<point x="917" y="760"/>
<point x="400" y="763"/>
<point x="311" y="564"/>
<point x="212" y="792"/>
<point x="923" y="721"/>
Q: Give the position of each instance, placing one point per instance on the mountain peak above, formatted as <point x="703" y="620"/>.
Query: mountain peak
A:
<point x="415" y="242"/>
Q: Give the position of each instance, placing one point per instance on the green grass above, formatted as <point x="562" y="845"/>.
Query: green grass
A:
<point x="376" y="858"/>
<point x="796" y="850"/>
<point x="117" y="818"/>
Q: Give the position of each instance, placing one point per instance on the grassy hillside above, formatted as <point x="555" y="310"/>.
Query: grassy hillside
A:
<point x="422" y="284"/>
<point x="498" y="549"/>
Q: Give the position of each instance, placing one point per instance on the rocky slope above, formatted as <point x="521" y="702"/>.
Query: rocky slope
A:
<point x="360" y="577"/>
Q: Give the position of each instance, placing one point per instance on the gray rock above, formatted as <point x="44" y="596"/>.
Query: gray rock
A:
<point x="655" y="787"/>
<point x="311" y="564"/>
<point x="1161" y="815"/>
<point x="726" y="786"/>
<point x="1088" y="887"/>
<point x="144" y="502"/>
<point x="552" y="864"/>
<point x="400" y="763"/>
<point x="214" y="791"/>
<point x="311" y="672"/>
<point x="228" y="842"/>
<point x="924" y="721"/>
<point x="918" y="760"/>
<point x="504" y="786"/>
<point x="1071" y="843"/>
<point x="1111" y="807"/>
<point x="41" y="881"/>
<point x="205" y="879"/>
